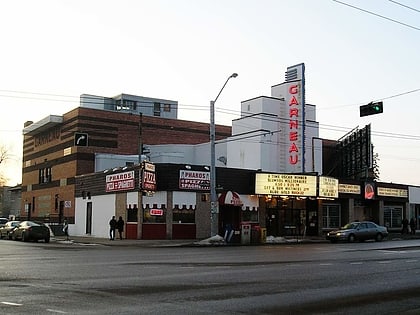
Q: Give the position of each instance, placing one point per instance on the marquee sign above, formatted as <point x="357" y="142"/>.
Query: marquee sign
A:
<point x="285" y="185"/>
<point x="328" y="187"/>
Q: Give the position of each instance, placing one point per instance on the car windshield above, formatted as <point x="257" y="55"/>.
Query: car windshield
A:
<point x="352" y="225"/>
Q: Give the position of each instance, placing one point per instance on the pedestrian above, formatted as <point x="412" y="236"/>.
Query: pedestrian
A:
<point x="413" y="226"/>
<point x="66" y="229"/>
<point x="404" y="226"/>
<point x="120" y="226"/>
<point x="112" y="227"/>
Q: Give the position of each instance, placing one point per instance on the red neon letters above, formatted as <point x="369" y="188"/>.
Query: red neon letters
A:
<point x="293" y="124"/>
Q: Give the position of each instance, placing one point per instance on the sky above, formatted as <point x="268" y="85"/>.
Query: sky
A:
<point x="354" y="51"/>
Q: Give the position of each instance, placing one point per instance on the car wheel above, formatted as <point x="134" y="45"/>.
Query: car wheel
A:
<point x="14" y="237"/>
<point x="379" y="237"/>
<point x="352" y="238"/>
<point x="333" y="241"/>
<point x="9" y="236"/>
<point x="47" y="240"/>
<point x="24" y="238"/>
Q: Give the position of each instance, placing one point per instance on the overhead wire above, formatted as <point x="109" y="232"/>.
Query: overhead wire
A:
<point x="378" y="15"/>
<point x="404" y="5"/>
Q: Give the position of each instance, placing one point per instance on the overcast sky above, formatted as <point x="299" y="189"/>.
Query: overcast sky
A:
<point x="184" y="50"/>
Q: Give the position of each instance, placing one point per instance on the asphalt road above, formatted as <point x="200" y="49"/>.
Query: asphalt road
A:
<point x="359" y="278"/>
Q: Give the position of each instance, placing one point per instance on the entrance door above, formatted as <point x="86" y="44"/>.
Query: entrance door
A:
<point x="89" y="218"/>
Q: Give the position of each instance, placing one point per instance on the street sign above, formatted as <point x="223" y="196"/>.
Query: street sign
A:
<point x="81" y="139"/>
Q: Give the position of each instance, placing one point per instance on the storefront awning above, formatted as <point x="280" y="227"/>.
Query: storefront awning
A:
<point x="230" y="198"/>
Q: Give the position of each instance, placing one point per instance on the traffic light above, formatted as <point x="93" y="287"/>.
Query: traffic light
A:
<point x="371" y="109"/>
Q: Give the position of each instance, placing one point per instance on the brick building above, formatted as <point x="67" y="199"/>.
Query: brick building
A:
<point x="53" y="156"/>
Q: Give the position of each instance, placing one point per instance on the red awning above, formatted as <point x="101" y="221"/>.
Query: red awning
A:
<point x="230" y="198"/>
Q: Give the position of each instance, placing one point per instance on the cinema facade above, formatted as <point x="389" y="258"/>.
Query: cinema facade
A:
<point x="171" y="201"/>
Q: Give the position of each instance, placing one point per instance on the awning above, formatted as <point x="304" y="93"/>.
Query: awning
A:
<point x="230" y="198"/>
<point x="184" y="200"/>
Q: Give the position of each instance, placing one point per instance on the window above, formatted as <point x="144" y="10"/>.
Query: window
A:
<point x="183" y="215"/>
<point x="154" y="215"/>
<point x="45" y="175"/>
<point x="126" y="105"/>
<point x="167" y="107"/>
<point x="393" y="217"/>
<point x="331" y="216"/>
<point x="156" y="109"/>
<point x="132" y="213"/>
<point x="249" y="216"/>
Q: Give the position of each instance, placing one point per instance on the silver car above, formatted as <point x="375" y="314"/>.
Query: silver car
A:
<point x="358" y="231"/>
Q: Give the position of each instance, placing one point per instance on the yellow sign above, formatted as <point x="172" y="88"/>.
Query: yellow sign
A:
<point x="285" y="185"/>
<point x="392" y="192"/>
<point x="328" y="187"/>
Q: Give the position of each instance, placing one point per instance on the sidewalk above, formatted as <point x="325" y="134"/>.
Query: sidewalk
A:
<point x="213" y="241"/>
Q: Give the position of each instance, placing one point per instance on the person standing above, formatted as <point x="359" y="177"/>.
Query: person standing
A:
<point x="413" y="226"/>
<point x="112" y="227"/>
<point x="120" y="226"/>
<point x="404" y="226"/>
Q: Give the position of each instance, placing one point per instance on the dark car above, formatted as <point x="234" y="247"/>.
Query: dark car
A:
<point x="358" y="231"/>
<point x="6" y="229"/>
<point x="31" y="230"/>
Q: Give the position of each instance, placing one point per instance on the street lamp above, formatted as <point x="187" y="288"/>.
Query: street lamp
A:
<point x="214" y="210"/>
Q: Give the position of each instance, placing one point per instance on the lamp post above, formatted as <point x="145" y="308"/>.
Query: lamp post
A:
<point x="214" y="209"/>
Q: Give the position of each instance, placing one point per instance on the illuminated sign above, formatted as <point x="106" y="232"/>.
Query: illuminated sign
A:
<point x="328" y="187"/>
<point x="369" y="191"/>
<point x="158" y="212"/>
<point x="294" y="103"/>
<point x="194" y="180"/>
<point x="119" y="181"/>
<point x="349" y="189"/>
<point x="285" y="185"/>
<point x="392" y="192"/>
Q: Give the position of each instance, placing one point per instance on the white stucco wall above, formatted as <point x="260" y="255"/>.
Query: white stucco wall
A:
<point x="103" y="208"/>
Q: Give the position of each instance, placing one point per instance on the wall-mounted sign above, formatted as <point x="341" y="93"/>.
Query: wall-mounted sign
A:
<point x="392" y="192"/>
<point x="119" y="181"/>
<point x="194" y="180"/>
<point x="349" y="189"/>
<point x="158" y="212"/>
<point x="148" y="177"/>
<point x="369" y="191"/>
<point x="328" y="187"/>
<point x="285" y="185"/>
<point x="81" y="139"/>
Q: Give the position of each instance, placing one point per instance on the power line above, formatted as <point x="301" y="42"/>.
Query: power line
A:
<point x="376" y="14"/>
<point x="403" y="5"/>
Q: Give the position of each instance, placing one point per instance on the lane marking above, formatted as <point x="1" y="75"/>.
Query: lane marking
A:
<point x="56" y="311"/>
<point x="11" y="303"/>
<point x="356" y="263"/>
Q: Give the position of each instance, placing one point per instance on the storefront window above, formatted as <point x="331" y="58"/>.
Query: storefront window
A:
<point x="183" y="215"/>
<point x="154" y="215"/>
<point x="249" y="216"/>
<point x="330" y="216"/>
<point x="393" y="217"/>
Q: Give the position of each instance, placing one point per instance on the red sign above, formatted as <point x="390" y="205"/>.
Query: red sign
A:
<point x="120" y="181"/>
<point x="293" y="124"/>
<point x="148" y="181"/>
<point x="156" y="212"/>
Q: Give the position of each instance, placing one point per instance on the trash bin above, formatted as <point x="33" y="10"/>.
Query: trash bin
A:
<point x="255" y="234"/>
<point x="263" y="235"/>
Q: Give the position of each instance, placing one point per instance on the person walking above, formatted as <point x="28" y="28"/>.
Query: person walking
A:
<point x="404" y="226"/>
<point x="112" y="227"/>
<point x="120" y="226"/>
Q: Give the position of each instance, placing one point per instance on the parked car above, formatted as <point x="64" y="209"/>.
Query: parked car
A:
<point x="3" y="221"/>
<point x="31" y="230"/>
<point x="358" y="231"/>
<point x="6" y="229"/>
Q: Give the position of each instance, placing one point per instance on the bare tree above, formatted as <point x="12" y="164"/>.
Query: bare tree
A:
<point x="4" y="156"/>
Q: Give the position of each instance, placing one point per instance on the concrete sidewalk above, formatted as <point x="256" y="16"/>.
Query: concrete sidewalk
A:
<point x="214" y="241"/>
